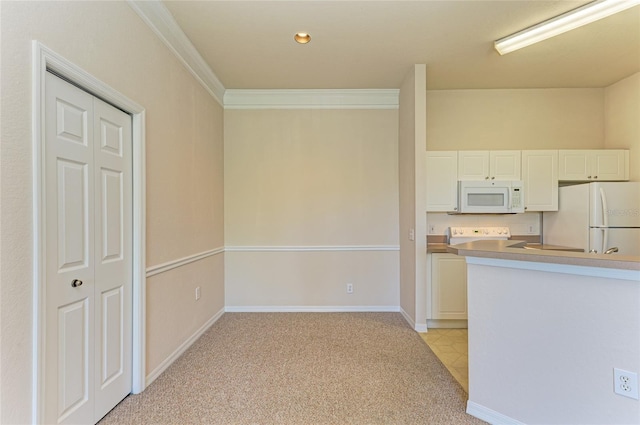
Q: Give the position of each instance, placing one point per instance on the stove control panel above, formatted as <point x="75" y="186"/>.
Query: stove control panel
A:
<point x="479" y="232"/>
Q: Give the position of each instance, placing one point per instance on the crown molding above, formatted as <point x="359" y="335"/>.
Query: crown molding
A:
<point x="312" y="99"/>
<point x="159" y="19"/>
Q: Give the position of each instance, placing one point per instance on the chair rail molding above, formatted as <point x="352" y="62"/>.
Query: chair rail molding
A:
<point x="170" y="265"/>
<point x="312" y="248"/>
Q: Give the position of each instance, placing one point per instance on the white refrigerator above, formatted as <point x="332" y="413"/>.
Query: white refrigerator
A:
<point x="596" y="217"/>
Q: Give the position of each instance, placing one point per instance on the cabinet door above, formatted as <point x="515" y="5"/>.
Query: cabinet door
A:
<point x="610" y="164"/>
<point x="573" y="165"/>
<point x="504" y="165"/>
<point x="593" y="165"/>
<point x="442" y="181"/>
<point x="448" y="287"/>
<point x="540" y="176"/>
<point x="473" y="165"/>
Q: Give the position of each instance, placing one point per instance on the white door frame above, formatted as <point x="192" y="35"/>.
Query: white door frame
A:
<point x="43" y="59"/>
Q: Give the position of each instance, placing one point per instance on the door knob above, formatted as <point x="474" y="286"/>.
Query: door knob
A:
<point x="75" y="283"/>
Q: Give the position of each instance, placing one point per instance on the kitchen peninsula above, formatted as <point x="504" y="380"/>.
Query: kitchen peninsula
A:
<point x="546" y="330"/>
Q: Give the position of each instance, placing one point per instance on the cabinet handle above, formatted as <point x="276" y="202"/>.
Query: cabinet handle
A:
<point x="588" y="177"/>
<point x="492" y="178"/>
<point x="486" y="178"/>
<point x="595" y="177"/>
<point x="75" y="283"/>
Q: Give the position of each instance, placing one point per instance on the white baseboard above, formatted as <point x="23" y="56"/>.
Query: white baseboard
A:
<point x="416" y="326"/>
<point x="488" y="415"/>
<point x="182" y="348"/>
<point x="447" y="324"/>
<point x="312" y="309"/>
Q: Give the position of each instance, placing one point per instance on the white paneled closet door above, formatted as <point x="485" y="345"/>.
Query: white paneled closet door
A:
<point x="88" y="169"/>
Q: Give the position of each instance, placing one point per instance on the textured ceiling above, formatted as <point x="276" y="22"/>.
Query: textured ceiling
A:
<point x="372" y="44"/>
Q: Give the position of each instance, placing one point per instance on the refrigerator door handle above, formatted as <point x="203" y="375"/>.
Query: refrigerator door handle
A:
<point x="603" y="202"/>
<point x="605" y="220"/>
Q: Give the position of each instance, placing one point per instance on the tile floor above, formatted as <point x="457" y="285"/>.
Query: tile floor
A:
<point x="450" y="345"/>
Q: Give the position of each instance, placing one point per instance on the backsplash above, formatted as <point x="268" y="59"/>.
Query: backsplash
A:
<point x="519" y="224"/>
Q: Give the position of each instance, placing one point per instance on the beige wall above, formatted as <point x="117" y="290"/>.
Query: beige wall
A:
<point x="172" y="313"/>
<point x="411" y="142"/>
<point x="184" y="172"/>
<point x="406" y="160"/>
<point x="622" y="120"/>
<point x="304" y="179"/>
<point x="311" y="280"/>
<point x="515" y="119"/>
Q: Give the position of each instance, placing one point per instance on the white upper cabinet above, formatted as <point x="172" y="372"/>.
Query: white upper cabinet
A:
<point x="594" y="165"/>
<point x="489" y="165"/>
<point x="473" y="165"/>
<point x="442" y="181"/>
<point x="540" y="170"/>
<point x="540" y="177"/>
<point x="504" y="165"/>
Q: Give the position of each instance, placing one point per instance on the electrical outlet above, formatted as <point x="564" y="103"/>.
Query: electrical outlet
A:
<point x="625" y="383"/>
<point x="412" y="234"/>
<point x="349" y="288"/>
<point x="197" y="293"/>
<point x="531" y="228"/>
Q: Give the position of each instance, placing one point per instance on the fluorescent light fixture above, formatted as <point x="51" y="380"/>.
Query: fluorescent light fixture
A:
<point x="566" y="22"/>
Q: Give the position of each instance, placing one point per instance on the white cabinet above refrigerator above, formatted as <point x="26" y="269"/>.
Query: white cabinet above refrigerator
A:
<point x="594" y="165"/>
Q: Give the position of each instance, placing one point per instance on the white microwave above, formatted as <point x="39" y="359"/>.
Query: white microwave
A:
<point x="490" y="197"/>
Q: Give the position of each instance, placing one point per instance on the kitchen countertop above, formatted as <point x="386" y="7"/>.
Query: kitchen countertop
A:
<point x="440" y="248"/>
<point x="551" y="247"/>
<point x="514" y="250"/>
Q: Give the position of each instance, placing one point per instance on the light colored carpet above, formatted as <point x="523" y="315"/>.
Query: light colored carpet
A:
<point x="302" y="368"/>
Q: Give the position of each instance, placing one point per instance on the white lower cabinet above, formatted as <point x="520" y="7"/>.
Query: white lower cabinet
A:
<point x="448" y="287"/>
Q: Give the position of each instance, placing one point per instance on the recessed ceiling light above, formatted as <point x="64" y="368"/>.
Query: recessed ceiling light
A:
<point x="302" y="37"/>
